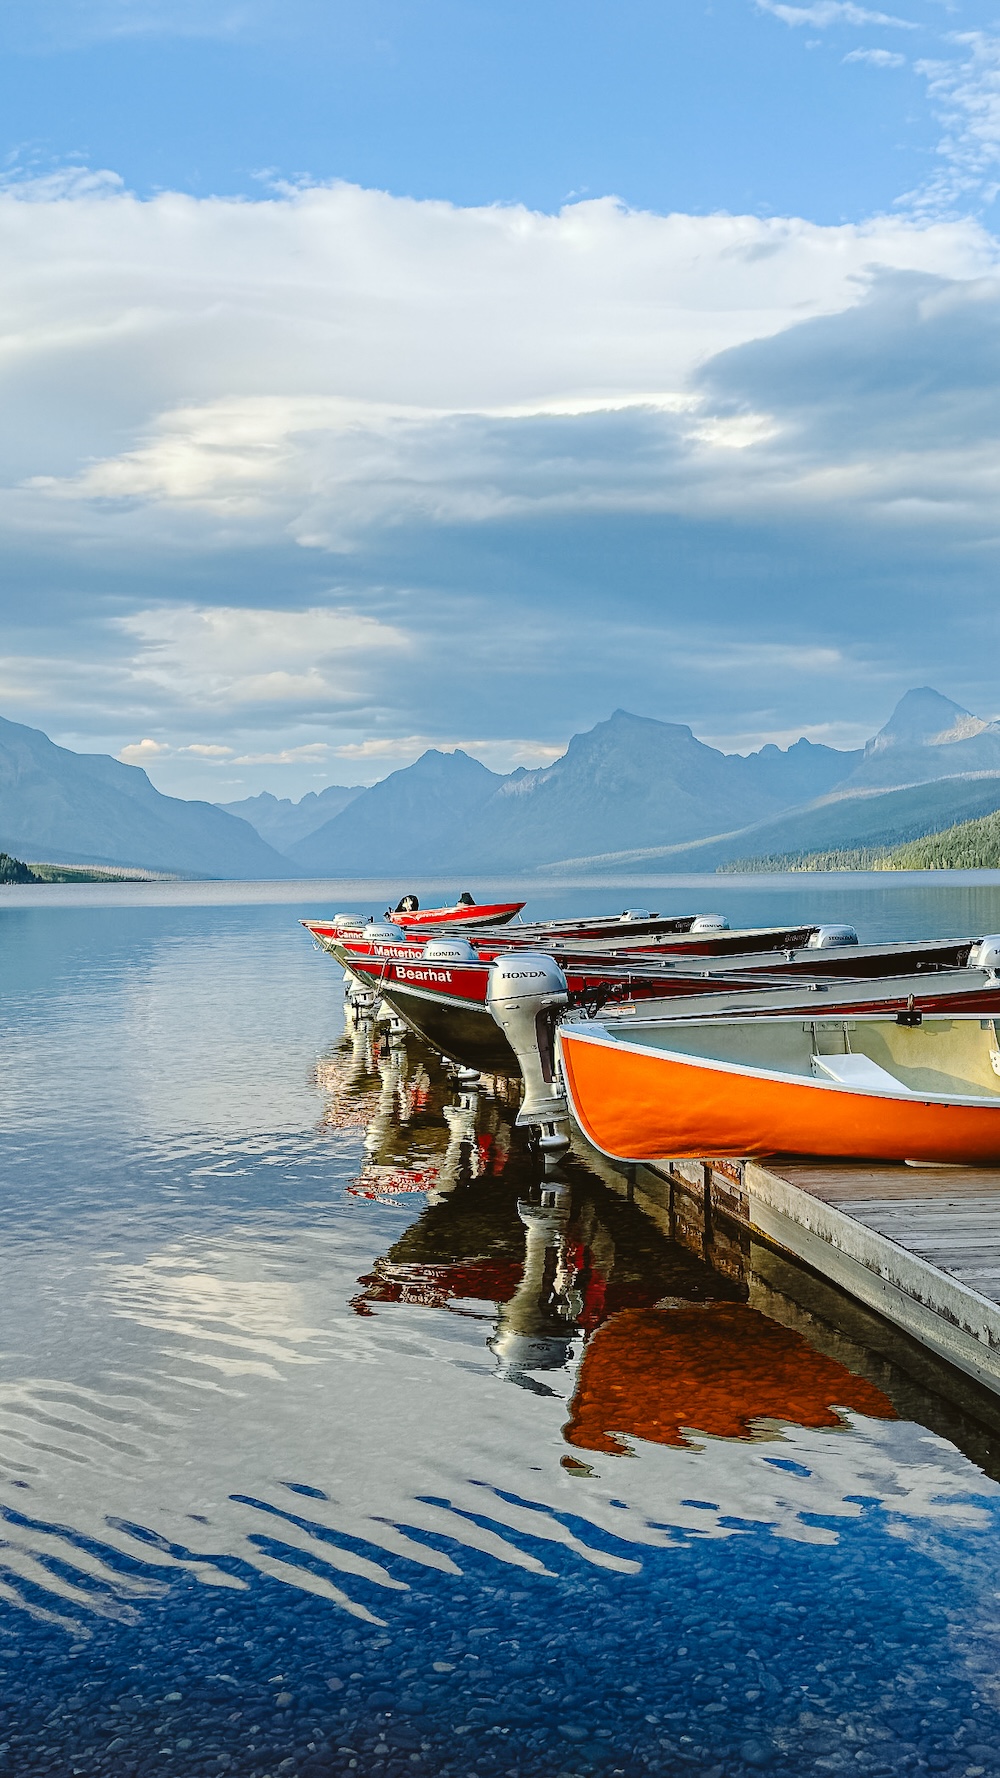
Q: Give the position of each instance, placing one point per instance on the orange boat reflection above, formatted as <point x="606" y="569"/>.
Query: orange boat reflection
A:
<point x="665" y="1375"/>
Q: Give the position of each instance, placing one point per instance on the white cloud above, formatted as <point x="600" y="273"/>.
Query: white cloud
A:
<point x="230" y="657"/>
<point x="142" y="310"/>
<point x="751" y="658"/>
<point x="139" y="753"/>
<point x="733" y="432"/>
<point x="311" y="753"/>
<point x="500" y="756"/>
<point x="966" y="92"/>
<point x="833" y="12"/>
<point x="194" y="388"/>
<point x="307" y="366"/>
<point x="877" y="58"/>
<point x="842" y="735"/>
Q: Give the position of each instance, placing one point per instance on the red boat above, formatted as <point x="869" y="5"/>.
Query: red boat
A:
<point x="445" y="999"/>
<point x="465" y="913"/>
<point x="628" y="931"/>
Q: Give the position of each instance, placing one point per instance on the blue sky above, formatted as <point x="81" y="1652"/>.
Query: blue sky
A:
<point x="387" y="376"/>
<point x="670" y="104"/>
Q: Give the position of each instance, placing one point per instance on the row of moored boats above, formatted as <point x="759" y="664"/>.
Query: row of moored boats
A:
<point x="678" y="1036"/>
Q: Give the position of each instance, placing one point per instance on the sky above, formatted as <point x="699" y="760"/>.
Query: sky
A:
<point x="397" y="375"/>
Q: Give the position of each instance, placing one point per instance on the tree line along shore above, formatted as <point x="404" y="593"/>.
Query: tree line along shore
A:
<point x="969" y="845"/>
<point x="14" y="870"/>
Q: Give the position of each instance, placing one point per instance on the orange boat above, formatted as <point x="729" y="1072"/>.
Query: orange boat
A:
<point x="903" y="1089"/>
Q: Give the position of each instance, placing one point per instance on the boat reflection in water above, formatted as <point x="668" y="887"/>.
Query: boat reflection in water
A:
<point x="424" y="1129"/>
<point x="584" y="1296"/>
<point x="722" y="1370"/>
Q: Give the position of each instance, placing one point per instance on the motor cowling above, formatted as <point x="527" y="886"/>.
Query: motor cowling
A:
<point x="382" y="932"/>
<point x="828" y="938"/>
<point x="525" y="993"/>
<point x="450" y="950"/>
<point x="709" y="923"/>
<point x="985" y="954"/>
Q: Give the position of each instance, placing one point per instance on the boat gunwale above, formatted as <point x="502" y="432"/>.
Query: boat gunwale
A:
<point x="905" y="1095"/>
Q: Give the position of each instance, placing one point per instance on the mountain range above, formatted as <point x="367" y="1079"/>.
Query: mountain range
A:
<point x="87" y="808"/>
<point x="629" y="794"/>
<point x="281" y="822"/>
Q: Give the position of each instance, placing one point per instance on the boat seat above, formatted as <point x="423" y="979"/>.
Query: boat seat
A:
<point x="858" y="1071"/>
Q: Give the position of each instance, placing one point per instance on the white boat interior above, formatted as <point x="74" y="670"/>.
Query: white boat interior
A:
<point x="956" y="1057"/>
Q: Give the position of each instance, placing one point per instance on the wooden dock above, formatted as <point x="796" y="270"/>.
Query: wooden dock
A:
<point x="921" y="1246"/>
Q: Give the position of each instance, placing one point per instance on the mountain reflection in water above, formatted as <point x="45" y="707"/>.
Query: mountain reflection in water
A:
<point x="334" y="1439"/>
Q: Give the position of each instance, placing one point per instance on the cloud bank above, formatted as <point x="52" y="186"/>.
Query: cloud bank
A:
<point x="334" y="473"/>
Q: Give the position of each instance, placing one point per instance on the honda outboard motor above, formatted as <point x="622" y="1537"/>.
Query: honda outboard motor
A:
<point x="526" y="991"/>
<point x="382" y="932"/>
<point x="709" y="923"/>
<point x="828" y="938"/>
<point x="985" y="954"/>
<point x="449" y="950"/>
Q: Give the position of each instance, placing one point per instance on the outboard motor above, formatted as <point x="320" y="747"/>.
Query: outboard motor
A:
<point x="709" y="923"/>
<point x="386" y="1015"/>
<point x="828" y="938"/>
<point x="382" y="932"/>
<point x="985" y="954"/>
<point x="637" y="914"/>
<point x="359" y="995"/>
<point x="450" y="950"/>
<point x="525" y="992"/>
<point x="461" y="1121"/>
<point x="536" y="1329"/>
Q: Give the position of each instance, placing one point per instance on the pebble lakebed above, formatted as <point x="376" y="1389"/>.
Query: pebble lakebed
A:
<point x="739" y="1663"/>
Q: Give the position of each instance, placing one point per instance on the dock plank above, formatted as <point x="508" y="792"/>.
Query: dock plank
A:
<point x="838" y="1182"/>
<point x="920" y="1246"/>
<point x="948" y="1216"/>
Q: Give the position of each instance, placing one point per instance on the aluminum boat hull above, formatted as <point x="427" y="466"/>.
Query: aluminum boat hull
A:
<point x="445" y="1003"/>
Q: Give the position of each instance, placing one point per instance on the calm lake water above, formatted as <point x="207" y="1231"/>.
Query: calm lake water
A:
<point x="328" y="1444"/>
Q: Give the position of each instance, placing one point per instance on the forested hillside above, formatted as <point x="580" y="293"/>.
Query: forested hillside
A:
<point x="969" y="845"/>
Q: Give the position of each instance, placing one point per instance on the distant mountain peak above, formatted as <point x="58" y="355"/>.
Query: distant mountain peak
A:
<point x="628" y="719"/>
<point x="925" y="718"/>
<point x="453" y="765"/>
